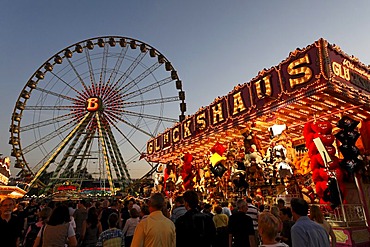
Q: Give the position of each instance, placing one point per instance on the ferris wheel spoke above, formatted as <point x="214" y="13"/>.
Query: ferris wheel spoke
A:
<point x="127" y="73"/>
<point x="85" y="141"/>
<point x="103" y="70"/>
<point x="58" y="150"/>
<point x="112" y="155"/>
<point x="117" y="65"/>
<point x="148" y="116"/>
<point x="131" y="125"/>
<point x="151" y="101"/>
<point x="58" y="95"/>
<point x="47" y="122"/>
<point x="66" y="83"/>
<point x="91" y="71"/>
<point x="104" y="149"/>
<point x="128" y="140"/>
<point x="48" y="137"/>
<point x="51" y="108"/>
<point x="138" y="79"/>
<point x="121" y="162"/>
<point x="67" y="154"/>
<point x="87" y="90"/>
<point x="85" y="152"/>
<point x="146" y="89"/>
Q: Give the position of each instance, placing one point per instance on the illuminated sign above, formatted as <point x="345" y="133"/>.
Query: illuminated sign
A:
<point x="3" y="179"/>
<point x="301" y="69"/>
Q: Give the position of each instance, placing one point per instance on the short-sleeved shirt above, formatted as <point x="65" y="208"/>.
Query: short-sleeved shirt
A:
<point x="308" y="233"/>
<point x="111" y="237"/>
<point x="241" y="227"/>
<point x="10" y="231"/>
<point x="253" y="213"/>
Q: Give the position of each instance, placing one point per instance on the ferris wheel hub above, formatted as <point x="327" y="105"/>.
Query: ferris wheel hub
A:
<point x="94" y="104"/>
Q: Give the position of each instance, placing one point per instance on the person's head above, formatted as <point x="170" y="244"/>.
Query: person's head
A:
<point x="218" y="210"/>
<point x="267" y="226"/>
<point x="130" y="204"/>
<point x="242" y="205"/>
<point x="249" y="200"/>
<point x="134" y="213"/>
<point x="179" y="201"/>
<point x="156" y="202"/>
<point x="316" y="214"/>
<point x="261" y="208"/>
<point x="60" y="215"/>
<point x="20" y="206"/>
<point x="82" y="204"/>
<point x="112" y="220"/>
<point x="281" y="203"/>
<point x="44" y="214"/>
<point x="7" y="206"/>
<point x="114" y="204"/>
<point x="299" y="207"/>
<point x="144" y="210"/>
<point x="224" y="204"/>
<point x="105" y="204"/>
<point x="191" y="199"/>
<point x="275" y="211"/>
<point x="285" y="214"/>
<point x="33" y="202"/>
<point x="207" y="208"/>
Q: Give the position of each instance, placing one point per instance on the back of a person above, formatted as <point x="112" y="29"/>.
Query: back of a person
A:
<point x="315" y="234"/>
<point x="55" y="236"/>
<point x="104" y="217"/>
<point x="91" y="236"/>
<point x="195" y="229"/>
<point x="239" y="223"/>
<point x="153" y="229"/>
<point x="113" y="242"/>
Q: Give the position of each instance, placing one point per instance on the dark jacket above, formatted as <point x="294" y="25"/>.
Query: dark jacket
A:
<point x="195" y="229"/>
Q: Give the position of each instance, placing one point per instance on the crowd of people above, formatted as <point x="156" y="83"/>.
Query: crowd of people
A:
<point x="158" y="222"/>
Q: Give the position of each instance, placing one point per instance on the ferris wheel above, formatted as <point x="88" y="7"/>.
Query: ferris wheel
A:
<point x="88" y="111"/>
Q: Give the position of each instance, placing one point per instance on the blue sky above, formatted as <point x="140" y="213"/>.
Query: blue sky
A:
<point x="214" y="45"/>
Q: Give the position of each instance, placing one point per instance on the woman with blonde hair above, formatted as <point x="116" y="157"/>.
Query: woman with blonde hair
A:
<point x="268" y="230"/>
<point x="275" y="211"/>
<point x="317" y="216"/>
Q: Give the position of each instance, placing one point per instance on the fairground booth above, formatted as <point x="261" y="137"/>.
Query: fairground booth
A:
<point x="299" y="129"/>
<point x="6" y="189"/>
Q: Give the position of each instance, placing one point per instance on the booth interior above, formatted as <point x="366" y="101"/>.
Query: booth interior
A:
<point x="299" y="129"/>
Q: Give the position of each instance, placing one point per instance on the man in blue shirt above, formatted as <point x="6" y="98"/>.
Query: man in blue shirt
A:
<point x="306" y="232"/>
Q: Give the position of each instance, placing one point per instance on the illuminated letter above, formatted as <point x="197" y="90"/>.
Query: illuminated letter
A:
<point x="176" y="134"/>
<point x="294" y="71"/>
<point x="157" y="144"/>
<point x="166" y="138"/>
<point x="186" y="129"/>
<point x="150" y="147"/>
<point x="267" y="83"/>
<point x="201" y="122"/>
<point x="92" y="104"/>
<point x="217" y="113"/>
<point x="336" y="68"/>
<point x="238" y="103"/>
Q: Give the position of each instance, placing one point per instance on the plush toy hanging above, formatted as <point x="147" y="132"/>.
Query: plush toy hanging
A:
<point x="187" y="174"/>
<point x="348" y="137"/>
<point x="217" y="168"/>
<point x="324" y="164"/>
